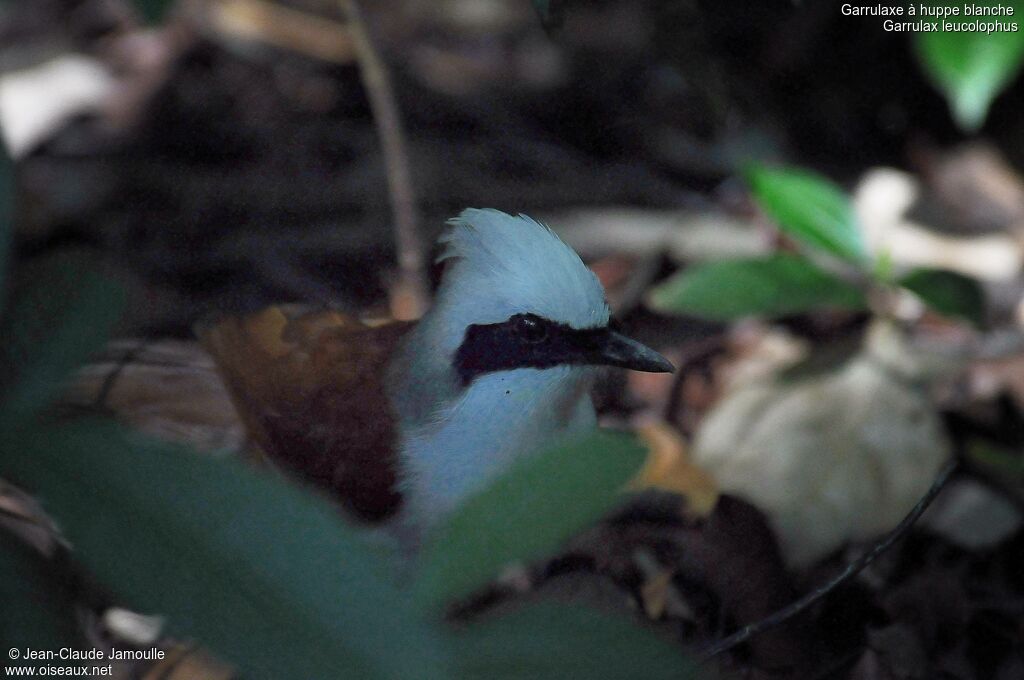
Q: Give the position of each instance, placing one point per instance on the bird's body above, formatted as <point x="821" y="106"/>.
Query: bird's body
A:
<point x="309" y="386"/>
<point x="484" y="429"/>
<point x="499" y="367"/>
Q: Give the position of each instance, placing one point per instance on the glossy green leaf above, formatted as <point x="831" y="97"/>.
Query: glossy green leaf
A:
<point x="531" y="510"/>
<point x="62" y="310"/>
<point x="773" y="286"/>
<point x="947" y="293"/>
<point x="547" y="642"/>
<point x="153" y="11"/>
<point x="971" y="68"/>
<point x="809" y="208"/>
<point x="38" y="600"/>
<point x="264" y="574"/>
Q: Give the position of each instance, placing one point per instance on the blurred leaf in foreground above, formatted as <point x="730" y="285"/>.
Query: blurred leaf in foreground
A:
<point x="62" y="311"/>
<point x="809" y="208"/>
<point x="153" y="11"/>
<point x="263" y="573"/>
<point x="550" y="13"/>
<point x="773" y="286"/>
<point x="6" y="215"/>
<point x="971" y="68"/>
<point x="948" y="293"/>
<point x="542" y="642"/>
<point x="38" y="599"/>
<point x="534" y="508"/>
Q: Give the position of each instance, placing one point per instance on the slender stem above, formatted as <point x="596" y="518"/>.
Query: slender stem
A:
<point x="851" y="570"/>
<point x="697" y="351"/>
<point x="109" y="380"/>
<point x="377" y="82"/>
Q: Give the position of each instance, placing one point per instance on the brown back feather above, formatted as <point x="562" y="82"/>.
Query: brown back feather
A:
<point x="310" y="388"/>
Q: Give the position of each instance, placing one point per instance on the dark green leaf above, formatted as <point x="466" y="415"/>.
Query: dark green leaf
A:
<point x="947" y="293"/>
<point x="38" y="599"/>
<point x="264" y="574"/>
<point x="773" y="286"/>
<point x="62" y="310"/>
<point x="542" y="642"/>
<point x="153" y="11"/>
<point x="971" y="68"/>
<point x="6" y="216"/>
<point x="535" y="507"/>
<point x="1005" y="462"/>
<point x="551" y="13"/>
<point x="809" y="208"/>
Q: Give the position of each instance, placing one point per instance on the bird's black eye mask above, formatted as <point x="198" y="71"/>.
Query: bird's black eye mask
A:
<point x="531" y="341"/>
<point x="524" y="341"/>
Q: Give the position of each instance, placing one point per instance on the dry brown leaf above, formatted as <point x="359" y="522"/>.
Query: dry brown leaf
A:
<point x="668" y="467"/>
<point x="882" y="201"/>
<point x="283" y="27"/>
<point x="170" y="389"/>
<point x="834" y="456"/>
<point x="186" y="662"/>
<point x="23" y="517"/>
<point x="657" y="594"/>
<point x="978" y="187"/>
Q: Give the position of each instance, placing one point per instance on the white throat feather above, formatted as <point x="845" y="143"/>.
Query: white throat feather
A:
<point x="455" y="438"/>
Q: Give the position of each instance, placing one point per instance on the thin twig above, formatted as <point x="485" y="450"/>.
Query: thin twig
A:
<point x="638" y="283"/>
<point x="695" y="352"/>
<point x="377" y="82"/>
<point x="287" y="27"/>
<point x="110" y="379"/>
<point x="851" y="570"/>
<point x="15" y="516"/>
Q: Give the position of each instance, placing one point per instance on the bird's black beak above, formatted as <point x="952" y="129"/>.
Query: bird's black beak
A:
<point x="616" y="349"/>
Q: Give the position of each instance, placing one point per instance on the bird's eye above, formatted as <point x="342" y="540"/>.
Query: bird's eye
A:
<point x="529" y="327"/>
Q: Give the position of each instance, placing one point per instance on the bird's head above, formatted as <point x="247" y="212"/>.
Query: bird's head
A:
<point x="513" y="295"/>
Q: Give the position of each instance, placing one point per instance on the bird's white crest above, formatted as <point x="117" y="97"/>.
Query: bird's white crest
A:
<point x="454" y="438"/>
<point x="500" y="265"/>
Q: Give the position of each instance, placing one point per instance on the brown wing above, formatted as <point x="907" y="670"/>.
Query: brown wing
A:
<point x="310" y="388"/>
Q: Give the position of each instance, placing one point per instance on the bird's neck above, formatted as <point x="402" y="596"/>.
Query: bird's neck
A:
<point x="455" y="439"/>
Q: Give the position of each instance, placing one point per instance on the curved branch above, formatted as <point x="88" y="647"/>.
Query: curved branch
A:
<point x="851" y="570"/>
<point x="410" y="300"/>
